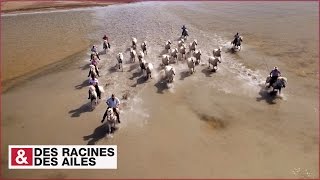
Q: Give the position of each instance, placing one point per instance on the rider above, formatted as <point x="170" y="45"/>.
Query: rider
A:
<point x="184" y="30"/>
<point x="105" y="37"/>
<point x="94" y="81"/>
<point x="274" y="74"/>
<point x="94" y="51"/>
<point x="114" y="103"/>
<point x="235" y="38"/>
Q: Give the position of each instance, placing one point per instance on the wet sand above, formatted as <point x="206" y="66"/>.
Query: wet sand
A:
<point x="207" y="125"/>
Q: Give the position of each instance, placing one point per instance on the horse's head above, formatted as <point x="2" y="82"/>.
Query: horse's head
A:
<point x="283" y="81"/>
<point x="109" y="114"/>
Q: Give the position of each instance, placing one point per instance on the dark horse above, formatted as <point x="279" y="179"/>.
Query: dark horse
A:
<point x="237" y="43"/>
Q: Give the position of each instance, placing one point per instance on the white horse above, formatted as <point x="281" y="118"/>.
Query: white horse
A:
<point x="197" y="54"/>
<point x="182" y="51"/>
<point x="111" y="120"/>
<point x="165" y="59"/>
<point x="93" y="71"/>
<point x="180" y="43"/>
<point x="144" y="47"/>
<point x="169" y="73"/>
<point x="106" y="45"/>
<point x="93" y="96"/>
<point x="214" y="62"/>
<point x="167" y="45"/>
<point x="191" y="64"/>
<point x="134" y="43"/>
<point x="143" y="63"/>
<point x="133" y="55"/>
<point x="120" y="60"/>
<point x="140" y="55"/>
<point x="279" y="84"/>
<point x="174" y="54"/>
<point x="193" y="45"/>
<point x="149" y="69"/>
<point x="217" y="53"/>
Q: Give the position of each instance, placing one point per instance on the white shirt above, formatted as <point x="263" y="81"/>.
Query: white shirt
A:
<point x="93" y="81"/>
<point x="113" y="103"/>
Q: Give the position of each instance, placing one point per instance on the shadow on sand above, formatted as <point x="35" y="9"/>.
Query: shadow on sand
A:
<point x="208" y="72"/>
<point x="85" y="83"/>
<point x="83" y="109"/>
<point x="87" y="66"/>
<point x="161" y="86"/>
<point x="184" y="74"/>
<point x="140" y="80"/>
<point x="98" y="134"/>
<point x="268" y="96"/>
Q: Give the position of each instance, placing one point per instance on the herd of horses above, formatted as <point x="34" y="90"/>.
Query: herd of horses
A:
<point x="168" y="58"/>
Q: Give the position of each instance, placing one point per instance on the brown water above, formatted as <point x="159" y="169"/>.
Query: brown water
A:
<point x="219" y="125"/>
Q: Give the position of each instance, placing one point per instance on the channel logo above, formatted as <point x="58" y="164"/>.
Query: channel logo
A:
<point x="62" y="157"/>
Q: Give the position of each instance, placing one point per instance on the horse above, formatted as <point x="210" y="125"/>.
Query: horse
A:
<point x="191" y="64"/>
<point x="93" y="71"/>
<point x="149" y="69"/>
<point x="214" y="62"/>
<point x="169" y="73"/>
<point x="193" y="45"/>
<point x="197" y="54"/>
<point x="280" y="83"/>
<point x="182" y="51"/>
<point x="140" y="55"/>
<point x="134" y="43"/>
<point x="142" y="65"/>
<point x="165" y="59"/>
<point x="111" y="120"/>
<point x="93" y="96"/>
<point x="133" y="55"/>
<point x="217" y="53"/>
<point x="106" y="45"/>
<point x="167" y="45"/>
<point x="144" y="47"/>
<point x="174" y="54"/>
<point x="180" y="43"/>
<point x="120" y="60"/>
<point x="237" y="43"/>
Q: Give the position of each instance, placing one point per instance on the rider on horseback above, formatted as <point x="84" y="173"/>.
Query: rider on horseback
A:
<point x="235" y="38"/>
<point x="274" y="74"/>
<point x="94" y="52"/>
<point x="184" y="31"/>
<point x="94" y="81"/>
<point x="113" y="102"/>
<point x="105" y="37"/>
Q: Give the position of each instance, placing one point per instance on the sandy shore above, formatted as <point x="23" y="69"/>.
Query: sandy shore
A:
<point x="7" y="7"/>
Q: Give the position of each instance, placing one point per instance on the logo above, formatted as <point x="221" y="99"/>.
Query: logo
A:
<point x="21" y="157"/>
<point x="62" y="157"/>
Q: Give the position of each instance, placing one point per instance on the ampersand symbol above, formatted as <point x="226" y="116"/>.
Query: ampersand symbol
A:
<point x="20" y="159"/>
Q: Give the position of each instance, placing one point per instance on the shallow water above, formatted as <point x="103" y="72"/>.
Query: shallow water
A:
<point x="206" y="125"/>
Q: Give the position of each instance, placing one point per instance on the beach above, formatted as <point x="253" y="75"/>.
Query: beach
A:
<point x="205" y="125"/>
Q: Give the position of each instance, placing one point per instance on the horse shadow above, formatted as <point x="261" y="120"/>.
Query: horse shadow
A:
<point x="87" y="66"/>
<point x="161" y="86"/>
<point x="140" y="80"/>
<point x="135" y="75"/>
<point x="98" y="134"/>
<point x="184" y="74"/>
<point x="132" y="67"/>
<point x="231" y="50"/>
<point x="269" y="97"/>
<point x="113" y="69"/>
<point x="163" y="52"/>
<point x="208" y="72"/>
<point x="103" y="52"/>
<point x="82" y="109"/>
<point x="82" y="85"/>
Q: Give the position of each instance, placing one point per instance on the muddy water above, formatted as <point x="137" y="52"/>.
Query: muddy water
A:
<point x="205" y="125"/>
